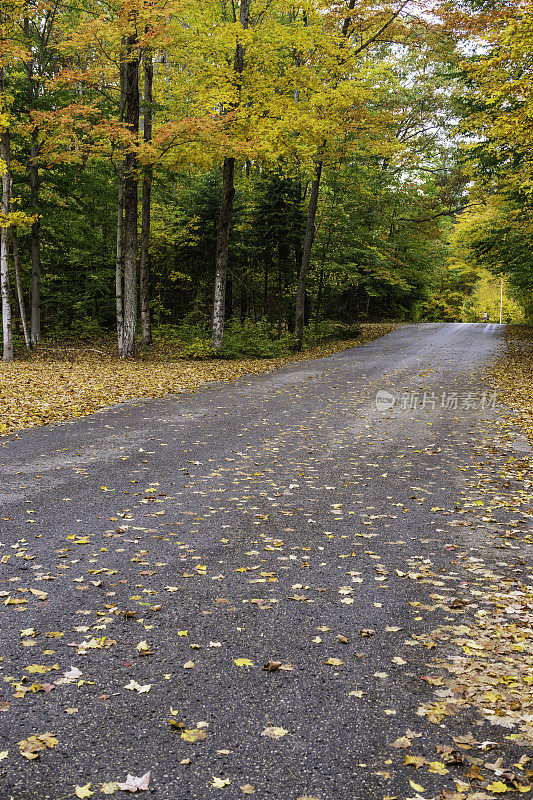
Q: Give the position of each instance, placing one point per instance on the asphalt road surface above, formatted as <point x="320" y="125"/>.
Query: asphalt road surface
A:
<point x="256" y="520"/>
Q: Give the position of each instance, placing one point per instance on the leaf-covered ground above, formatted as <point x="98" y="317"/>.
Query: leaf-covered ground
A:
<point x="514" y="374"/>
<point x="65" y="383"/>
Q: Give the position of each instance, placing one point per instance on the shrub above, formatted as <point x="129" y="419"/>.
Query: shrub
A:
<point x="197" y="350"/>
<point x="252" y="341"/>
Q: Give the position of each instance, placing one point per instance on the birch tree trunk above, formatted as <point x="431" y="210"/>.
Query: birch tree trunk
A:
<point x="221" y="269"/>
<point x="144" y="277"/>
<point x="131" y="181"/>
<point x="226" y="209"/>
<point x="7" y="333"/>
<point x="20" y="292"/>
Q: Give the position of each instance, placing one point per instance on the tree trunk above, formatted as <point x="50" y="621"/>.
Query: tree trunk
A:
<point x="144" y="277"/>
<point x="7" y="332"/>
<point x="265" y="288"/>
<point x="33" y="172"/>
<point x="319" y="298"/>
<point x="226" y="208"/>
<point x="119" y="268"/>
<point x="119" y="265"/>
<point x="306" y="256"/>
<point x="35" y="241"/>
<point x="20" y="293"/>
<point x="280" y="301"/>
<point x="131" y="181"/>
<point x="243" y="303"/>
<point x="221" y="268"/>
<point x="346" y="31"/>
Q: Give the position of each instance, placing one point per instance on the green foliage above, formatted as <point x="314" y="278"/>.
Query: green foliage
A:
<point x="246" y="340"/>
<point x="84" y="329"/>
<point x="444" y="307"/>
<point x="328" y="330"/>
<point x="197" y="350"/>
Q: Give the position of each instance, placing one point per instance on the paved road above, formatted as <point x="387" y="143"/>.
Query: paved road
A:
<point x="264" y="518"/>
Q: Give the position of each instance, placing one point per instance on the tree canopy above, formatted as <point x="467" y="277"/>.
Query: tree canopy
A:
<point x="266" y="163"/>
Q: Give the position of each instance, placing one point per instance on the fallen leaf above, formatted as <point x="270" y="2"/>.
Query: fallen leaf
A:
<point x="133" y="784"/>
<point x="73" y="674"/>
<point x="437" y="767"/>
<point x="83" y="791"/>
<point x="39" y="595"/>
<point x="32" y="747"/>
<point x="136" y="687"/>
<point x="219" y="783"/>
<point x="498" y="787"/>
<point x="403" y="741"/>
<point x="414" y="761"/>
<point x="274" y="732"/>
<point x="109" y="788"/>
<point x="144" y="649"/>
<point x="272" y="666"/>
<point x="247" y="788"/>
<point x="194" y="735"/>
<point x="243" y="662"/>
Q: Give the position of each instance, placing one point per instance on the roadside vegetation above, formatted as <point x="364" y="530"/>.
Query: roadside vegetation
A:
<point x="514" y="375"/>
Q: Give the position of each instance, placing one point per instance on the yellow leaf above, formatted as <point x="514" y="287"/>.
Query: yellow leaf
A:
<point x="416" y="786"/>
<point x="274" y="732"/>
<point x="334" y="662"/>
<point x="438" y="767"/>
<point x="109" y="788"/>
<point x="498" y="787"/>
<point x="243" y="662"/>
<point x="83" y="791"/>
<point x="40" y="595"/>
<point x="144" y="649"/>
<point x="193" y="735"/>
<point x="414" y="761"/>
<point x="219" y="783"/>
<point x="3" y="754"/>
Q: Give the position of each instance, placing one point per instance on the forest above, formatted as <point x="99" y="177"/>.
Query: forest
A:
<point x="239" y="177"/>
